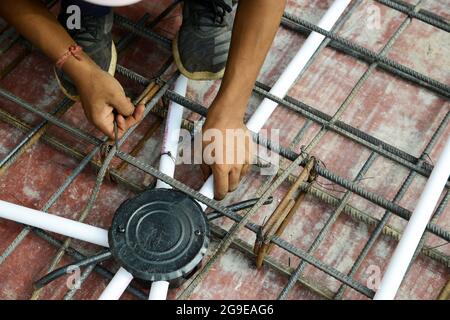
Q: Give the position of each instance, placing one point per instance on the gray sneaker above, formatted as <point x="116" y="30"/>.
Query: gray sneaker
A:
<point x="201" y="46"/>
<point x="95" y="38"/>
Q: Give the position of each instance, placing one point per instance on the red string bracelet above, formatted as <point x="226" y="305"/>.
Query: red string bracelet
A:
<point x="73" y="51"/>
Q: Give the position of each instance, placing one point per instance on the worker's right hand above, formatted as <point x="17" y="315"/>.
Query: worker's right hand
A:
<point x="100" y="95"/>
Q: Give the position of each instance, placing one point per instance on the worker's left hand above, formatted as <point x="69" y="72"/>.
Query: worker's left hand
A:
<point x="223" y="132"/>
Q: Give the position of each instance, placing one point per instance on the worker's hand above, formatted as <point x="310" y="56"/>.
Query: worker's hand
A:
<point x="100" y="95"/>
<point x="231" y="136"/>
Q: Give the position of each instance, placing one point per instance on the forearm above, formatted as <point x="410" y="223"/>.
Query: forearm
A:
<point x="255" y="26"/>
<point x="33" y="21"/>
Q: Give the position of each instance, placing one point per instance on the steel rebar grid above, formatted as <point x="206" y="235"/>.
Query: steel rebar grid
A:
<point x="278" y="267"/>
<point x="33" y="136"/>
<point x="152" y="96"/>
<point x="383" y="148"/>
<point x="316" y="192"/>
<point x="314" y="141"/>
<point x="400" y="193"/>
<point x="327" y="226"/>
<point x="179" y="100"/>
<point x="330" y="221"/>
<point x="333" y="217"/>
<point x="56" y="121"/>
<point x="388" y="231"/>
<point x="169" y="93"/>
<point x="209" y="202"/>
<point x="125" y="40"/>
<point x="303" y="130"/>
<point x="340" y="43"/>
<point x="40" y="129"/>
<point x="321" y="170"/>
<point x="339" y="127"/>
<point x="289" y="154"/>
<point x="354" y="134"/>
<point x="64" y="186"/>
<point x="372" y="69"/>
<point x="441" y="87"/>
<point x="250" y="226"/>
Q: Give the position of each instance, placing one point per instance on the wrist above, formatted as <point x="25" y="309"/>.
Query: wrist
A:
<point x="79" y="70"/>
<point x="225" y="110"/>
<point x="224" y="115"/>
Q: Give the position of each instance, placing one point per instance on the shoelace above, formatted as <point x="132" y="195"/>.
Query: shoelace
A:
<point x="212" y="14"/>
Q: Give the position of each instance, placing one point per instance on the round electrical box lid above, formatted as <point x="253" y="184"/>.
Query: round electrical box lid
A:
<point x="161" y="234"/>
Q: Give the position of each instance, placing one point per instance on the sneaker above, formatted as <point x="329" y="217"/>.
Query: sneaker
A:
<point x="201" y="46"/>
<point x="95" y="38"/>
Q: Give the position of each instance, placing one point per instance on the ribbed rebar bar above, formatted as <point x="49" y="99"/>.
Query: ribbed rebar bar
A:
<point x="32" y="136"/>
<point x="421" y="15"/>
<point x="374" y="144"/>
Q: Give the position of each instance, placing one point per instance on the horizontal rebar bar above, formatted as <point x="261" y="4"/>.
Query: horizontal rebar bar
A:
<point x="422" y="15"/>
<point x="350" y="132"/>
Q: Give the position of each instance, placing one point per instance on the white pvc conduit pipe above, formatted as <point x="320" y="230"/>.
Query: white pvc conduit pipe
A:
<point x="287" y="78"/>
<point x="159" y="290"/>
<point x="114" y="3"/>
<point x="296" y="66"/>
<point x="410" y="239"/>
<point x="169" y="151"/>
<point x="53" y="223"/>
<point x="171" y="138"/>
<point x="117" y="285"/>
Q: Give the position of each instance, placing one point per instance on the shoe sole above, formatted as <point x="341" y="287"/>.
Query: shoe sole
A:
<point x="111" y="71"/>
<point x="199" y="75"/>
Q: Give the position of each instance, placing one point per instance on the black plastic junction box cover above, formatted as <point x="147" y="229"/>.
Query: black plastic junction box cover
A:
<point x="161" y="234"/>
